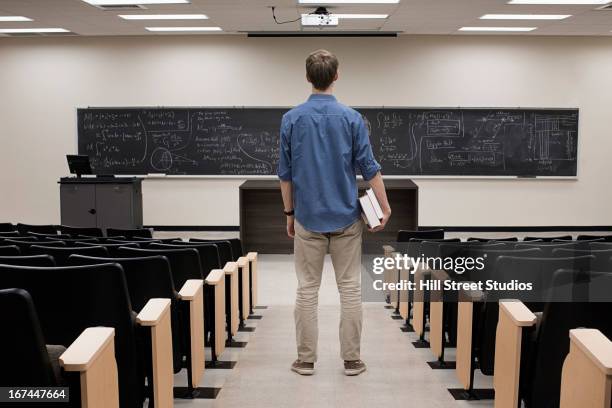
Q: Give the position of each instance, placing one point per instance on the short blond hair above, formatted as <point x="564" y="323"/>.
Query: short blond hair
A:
<point x="321" y="69"/>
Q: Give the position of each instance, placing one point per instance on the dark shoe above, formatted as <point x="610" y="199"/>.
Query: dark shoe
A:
<point x="302" y="367"/>
<point x="354" y="367"/>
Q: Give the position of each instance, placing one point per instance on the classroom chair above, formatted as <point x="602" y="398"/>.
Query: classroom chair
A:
<point x="472" y="322"/>
<point x="61" y="254"/>
<point x="548" y="239"/>
<point x="48" y="229"/>
<point x="530" y="351"/>
<point x="443" y="305"/>
<point x="130" y="233"/>
<point x="52" y="237"/>
<point x="586" y="378"/>
<point x="407" y="235"/>
<point x="29" y="260"/>
<point x="9" y="250"/>
<point x="539" y="271"/>
<point x="7" y="227"/>
<point x="113" y="249"/>
<point x="87" y="364"/>
<point x="150" y="277"/>
<point x="605" y="238"/>
<point x="185" y="264"/>
<point x="210" y="260"/>
<point x="601" y="257"/>
<point x="70" y="299"/>
<point x="505" y="239"/>
<point x="25" y="244"/>
<point x="76" y="232"/>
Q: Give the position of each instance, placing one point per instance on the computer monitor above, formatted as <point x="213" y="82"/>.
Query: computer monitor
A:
<point x="79" y="164"/>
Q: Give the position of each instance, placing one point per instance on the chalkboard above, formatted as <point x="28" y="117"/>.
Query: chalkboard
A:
<point x="406" y="141"/>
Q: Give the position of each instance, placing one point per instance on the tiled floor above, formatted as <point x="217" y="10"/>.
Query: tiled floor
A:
<point x="397" y="375"/>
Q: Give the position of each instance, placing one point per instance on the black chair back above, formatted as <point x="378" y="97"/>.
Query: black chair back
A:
<point x="541" y="377"/>
<point x="30" y="260"/>
<point x="129" y="233"/>
<point x="140" y="243"/>
<point x="601" y="257"/>
<point x="548" y="247"/>
<point x="548" y="239"/>
<point x="10" y="234"/>
<point x="407" y="235"/>
<point x="70" y="299"/>
<point x="209" y="253"/>
<point x="61" y="254"/>
<point x="76" y="232"/>
<point x="537" y="270"/>
<point x="237" y="250"/>
<point x="505" y="239"/>
<point x="52" y="237"/>
<point x="225" y="248"/>
<point x="25" y="361"/>
<point x="147" y="278"/>
<point x="48" y="229"/>
<point x="113" y="249"/>
<point x="10" y="250"/>
<point x="70" y="241"/>
<point x="7" y="227"/>
<point x="605" y="238"/>
<point x="184" y="263"/>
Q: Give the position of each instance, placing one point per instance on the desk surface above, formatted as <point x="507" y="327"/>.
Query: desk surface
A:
<point x="390" y="184"/>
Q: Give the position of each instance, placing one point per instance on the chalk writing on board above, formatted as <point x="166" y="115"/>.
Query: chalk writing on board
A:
<point x="406" y="141"/>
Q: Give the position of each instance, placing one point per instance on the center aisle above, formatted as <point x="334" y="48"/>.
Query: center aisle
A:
<point x="397" y="374"/>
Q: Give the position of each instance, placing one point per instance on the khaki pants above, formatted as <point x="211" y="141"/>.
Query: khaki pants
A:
<point x="345" y="249"/>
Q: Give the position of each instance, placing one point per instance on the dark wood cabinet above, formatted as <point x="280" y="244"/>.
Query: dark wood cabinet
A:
<point x="263" y="225"/>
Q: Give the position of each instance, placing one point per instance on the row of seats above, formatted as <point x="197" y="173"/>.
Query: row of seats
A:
<point x="68" y="231"/>
<point x="149" y="306"/>
<point x="573" y="289"/>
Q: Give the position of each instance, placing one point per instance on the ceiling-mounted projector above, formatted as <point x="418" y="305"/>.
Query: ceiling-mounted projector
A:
<point x="319" y="18"/>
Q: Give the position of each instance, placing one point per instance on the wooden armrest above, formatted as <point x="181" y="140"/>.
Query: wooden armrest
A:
<point x="230" y="268"/>
<point x="596" y="346"/>
<point x="586" y="379"/>
<point x="439" y="274"/>
<point x="193" y="292"/>
<point x="156" y="315"/>
<point x="93" y="355"/>
<point x="190" y="289"/>
<point x="215" y="276"/>
<point x="514" y="316"/>
<point x="242" y="261"/>
<point x="387" y="249"/>
<point x="251" y="256"/>
<point x="153" y="312"/>
<point x="518" y="312"/>
<point x="84" y="351"/>
<point x="471" y="295"/>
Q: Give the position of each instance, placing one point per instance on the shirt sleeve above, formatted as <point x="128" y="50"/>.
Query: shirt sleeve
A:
<point x="284" y="163"/>
<point x="362" y="150"/>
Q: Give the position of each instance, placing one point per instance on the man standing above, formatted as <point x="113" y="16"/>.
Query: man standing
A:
<point x="322" y="144"/>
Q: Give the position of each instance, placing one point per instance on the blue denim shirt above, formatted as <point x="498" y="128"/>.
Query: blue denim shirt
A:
<point x="323" y="144"/>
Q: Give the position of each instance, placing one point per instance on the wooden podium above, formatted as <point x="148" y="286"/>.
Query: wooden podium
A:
<point x="263" y="225"/>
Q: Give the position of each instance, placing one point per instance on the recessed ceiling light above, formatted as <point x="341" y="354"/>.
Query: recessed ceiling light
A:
<point x="322" y="2"/>
<point x="133" y="2"/>
<point x="578" y="2"/>
<point x="360" y="15"/>
<point x="32" y="30"/>
<point x="525" y="16"/>
<point x="14" y="18"/>
<point x="163" y="16"/>
<point x="513" y="29"/>
<point x="175" y="29"/>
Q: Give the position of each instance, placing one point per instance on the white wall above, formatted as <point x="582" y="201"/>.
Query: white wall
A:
<point x="43" y="80"/>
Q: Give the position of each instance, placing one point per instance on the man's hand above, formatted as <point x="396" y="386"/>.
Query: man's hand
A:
<point x="383" y="222"/>
<point x="291" y="226"/>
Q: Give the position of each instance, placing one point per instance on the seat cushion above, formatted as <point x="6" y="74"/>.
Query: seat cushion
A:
<point x="55" y="351"/>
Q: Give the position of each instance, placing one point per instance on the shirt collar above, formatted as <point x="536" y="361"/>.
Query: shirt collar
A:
<point x="322" y="97"/>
